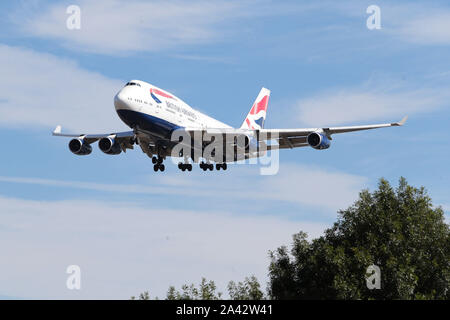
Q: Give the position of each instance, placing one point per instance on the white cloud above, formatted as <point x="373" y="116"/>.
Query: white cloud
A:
<point x="323" y="189"/>
<point x="123" y="250"/>
<point x="122" y="27"/>
<point x="425" y="23"/>
<point x="43" y="90"/>
<point x="446" y="208"/>
<point x="350" y="105"/>
<point x="115" y="27"/>
<point x="417" y="23"/>
<point x="432" y="29"/>
<point x="305" y="185"/>
<point x="314" y="186"/>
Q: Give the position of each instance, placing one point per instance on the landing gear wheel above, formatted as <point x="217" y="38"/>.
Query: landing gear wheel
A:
<point x="158" y="164"/>
<point x="184" y="166"/>
<point x="218" y="166"/>
<point x="206" y="166"/>
<point x="224" y="166"/>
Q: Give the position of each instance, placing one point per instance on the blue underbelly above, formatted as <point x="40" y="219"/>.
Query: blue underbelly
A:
<point x="147" y="122"/>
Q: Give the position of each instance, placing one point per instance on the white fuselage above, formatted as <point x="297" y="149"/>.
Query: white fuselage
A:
<point x="153" y="109"/>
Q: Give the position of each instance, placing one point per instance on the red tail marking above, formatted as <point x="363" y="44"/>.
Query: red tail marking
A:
<point x="262" y="105"/>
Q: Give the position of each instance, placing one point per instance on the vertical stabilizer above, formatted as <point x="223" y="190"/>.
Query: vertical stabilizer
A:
<point x="257" y="115"/>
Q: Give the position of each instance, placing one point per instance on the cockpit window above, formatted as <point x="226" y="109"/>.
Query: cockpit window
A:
<point x="132" y="84"/>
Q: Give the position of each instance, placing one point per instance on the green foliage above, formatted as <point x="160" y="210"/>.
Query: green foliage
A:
<point x="250" y="289"/>
<point x="143" y="296"/>
<point x="397" y="230"/>
<point x="205" y="291"/>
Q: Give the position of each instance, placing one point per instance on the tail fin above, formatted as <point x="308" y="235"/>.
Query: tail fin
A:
<point x="257" y="115"/>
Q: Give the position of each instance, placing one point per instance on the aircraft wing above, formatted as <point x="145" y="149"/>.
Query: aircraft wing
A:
<point x="125" y="138"/>
<point x="290" y="138"/>
<point x="295" y="138"/>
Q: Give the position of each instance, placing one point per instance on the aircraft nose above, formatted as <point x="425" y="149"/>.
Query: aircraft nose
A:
<point x="120" y="101"/>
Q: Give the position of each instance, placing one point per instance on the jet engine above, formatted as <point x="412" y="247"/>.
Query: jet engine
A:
<point x="109" y="145"/>
<point x="80" y="147"/>
<point x="318" y="141"/>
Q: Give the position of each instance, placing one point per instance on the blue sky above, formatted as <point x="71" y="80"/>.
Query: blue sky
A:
<point x="130" y="229"/>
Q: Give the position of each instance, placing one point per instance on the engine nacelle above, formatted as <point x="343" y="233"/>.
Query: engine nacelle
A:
<point x="109" y="146"/>
<point x="318" y="141"/>
<point x="80" y="147"/>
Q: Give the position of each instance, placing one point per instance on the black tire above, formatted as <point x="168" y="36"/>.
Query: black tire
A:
<point x="162" y="167"/>
<point x="211" y="167"/>
<point x="155" y="167"/>
<point x="153" y="160"/>
<point x="189" y="167"/>
<point x="224" y="166"/>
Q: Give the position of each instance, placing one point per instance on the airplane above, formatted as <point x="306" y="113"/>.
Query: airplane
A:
<point x="154" y="115"/>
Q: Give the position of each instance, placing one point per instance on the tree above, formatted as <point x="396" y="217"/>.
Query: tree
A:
<point x="205" y="291"/>
<point x="398" y="230"/>
<point x="250" y="289"/>
<point x="142" y="296"/>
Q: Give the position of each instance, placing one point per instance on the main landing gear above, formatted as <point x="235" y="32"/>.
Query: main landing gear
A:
<point x="158" y="164"/>
<point x="221" y="165"/>
<point x="185" y="166"/>
<point x="206" y="166"/>
<point x="210" y="166"/>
